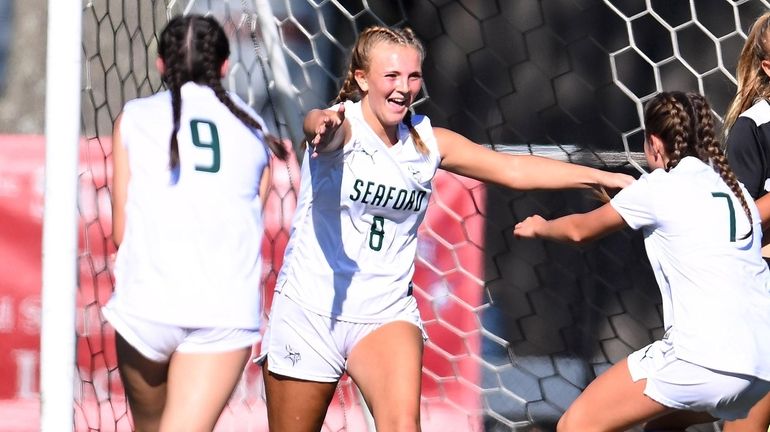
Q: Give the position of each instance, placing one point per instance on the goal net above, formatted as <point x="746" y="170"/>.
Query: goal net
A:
<point x="517" y="328"/>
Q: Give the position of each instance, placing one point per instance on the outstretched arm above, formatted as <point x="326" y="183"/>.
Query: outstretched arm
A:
<point x="464" y="157"/>
<point x="326" y="130"/>
<point x="575" y="228"/>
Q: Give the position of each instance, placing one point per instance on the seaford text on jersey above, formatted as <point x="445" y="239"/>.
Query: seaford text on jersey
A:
<point x="387" y="196"/>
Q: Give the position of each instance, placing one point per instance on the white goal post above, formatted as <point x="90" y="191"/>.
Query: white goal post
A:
<point x="60" y="235"/>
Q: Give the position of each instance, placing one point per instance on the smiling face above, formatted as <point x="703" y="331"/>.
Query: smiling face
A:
<point x="389" y="86"/>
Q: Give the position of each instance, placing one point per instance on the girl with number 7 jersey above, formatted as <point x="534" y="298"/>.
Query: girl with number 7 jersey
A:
<point x="703" y="238"/>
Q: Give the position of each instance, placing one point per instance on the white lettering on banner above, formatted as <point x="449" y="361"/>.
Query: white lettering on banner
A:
<point x="7" y="315"/>
<point x="29" y="315"/>
<point x="26" y="369"/>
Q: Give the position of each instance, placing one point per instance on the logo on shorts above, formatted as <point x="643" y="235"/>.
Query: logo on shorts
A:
<point x="292" y="355"/>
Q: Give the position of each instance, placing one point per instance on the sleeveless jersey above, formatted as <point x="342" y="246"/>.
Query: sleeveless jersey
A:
<point x="714" y="284"/>
<point x="191" y="251"/>
<point x="354" y="235"/>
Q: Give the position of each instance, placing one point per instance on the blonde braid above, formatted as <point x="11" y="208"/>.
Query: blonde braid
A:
<point x="753" y="83"/>
<point x="349" y="89"/>
<point x="418" y="142"/>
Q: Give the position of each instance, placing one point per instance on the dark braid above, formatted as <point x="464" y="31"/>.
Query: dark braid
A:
<point x="681" y="134"/>
<point x="685" y="125"/>
<point x="174" y="78"/>
<point x="193" y="48"/>
<point x="712" y="149"/>
<point x="360" y="59"/>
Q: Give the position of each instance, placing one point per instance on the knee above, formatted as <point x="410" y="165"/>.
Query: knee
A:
<point x="562" y="424"/>
<point x="745" y="425"/>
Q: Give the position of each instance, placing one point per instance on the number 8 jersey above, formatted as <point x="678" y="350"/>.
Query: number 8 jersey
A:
<point x="354" y="235"/>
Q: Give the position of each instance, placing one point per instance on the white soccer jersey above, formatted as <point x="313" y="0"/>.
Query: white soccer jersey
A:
<point x="713" y="281"/>
<point x="191" y="251"/>
<point x="354" y="235"/>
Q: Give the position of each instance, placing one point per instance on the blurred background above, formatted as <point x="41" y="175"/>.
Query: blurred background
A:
<point x="22" y="66"/>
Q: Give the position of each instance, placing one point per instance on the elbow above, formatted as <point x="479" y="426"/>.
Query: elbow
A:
<point x="577" y="237"/>
<point x="576" y="240"/>
<point x="581" y="241"/>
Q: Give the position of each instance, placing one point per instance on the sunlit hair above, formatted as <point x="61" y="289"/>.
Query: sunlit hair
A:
<point x="360" y="59"/>
<point x="193" y="48"/>
<point x="685" y="125"/>
<point x="753" y="82"/>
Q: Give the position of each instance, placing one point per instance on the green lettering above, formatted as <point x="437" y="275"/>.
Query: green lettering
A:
<point x="356" y="187"/>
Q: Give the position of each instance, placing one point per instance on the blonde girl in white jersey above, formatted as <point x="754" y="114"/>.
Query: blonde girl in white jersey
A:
<point x="703" y="238"/>
<point x="343" y="298"/>
<point x="189" y="173"/>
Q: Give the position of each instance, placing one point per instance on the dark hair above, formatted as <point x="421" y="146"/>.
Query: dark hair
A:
<point x="193" y="48"/>
<point x="685" y="124"/>
<point x="360" y="58"/>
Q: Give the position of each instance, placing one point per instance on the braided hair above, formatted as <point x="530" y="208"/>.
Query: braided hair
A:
<point x="193" y="48"/>
<point x="685" y="125"/>
<point x="360" y="59"/>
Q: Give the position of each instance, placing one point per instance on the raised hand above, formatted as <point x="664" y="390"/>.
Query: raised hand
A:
<point x="325" y="130"/>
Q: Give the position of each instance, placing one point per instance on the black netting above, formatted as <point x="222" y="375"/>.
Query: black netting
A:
<point x="518" y="328"/>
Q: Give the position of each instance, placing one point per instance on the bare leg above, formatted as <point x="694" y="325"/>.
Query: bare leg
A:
<point x="386" y="365"/>
<point x="612" y="402"/>
<point x="144" y="382"/>
<point x="199" y="386"/>
<point x="758" y="419"/>
<point x="296" y="405"/>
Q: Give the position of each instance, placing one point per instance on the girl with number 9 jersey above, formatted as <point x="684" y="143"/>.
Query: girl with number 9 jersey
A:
<point x="189" y="171"/>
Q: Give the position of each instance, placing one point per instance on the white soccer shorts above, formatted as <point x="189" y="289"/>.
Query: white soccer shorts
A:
<point x="157" y="341"/>
<point x="683" y="385"/>
<point x="304" y="345"/>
